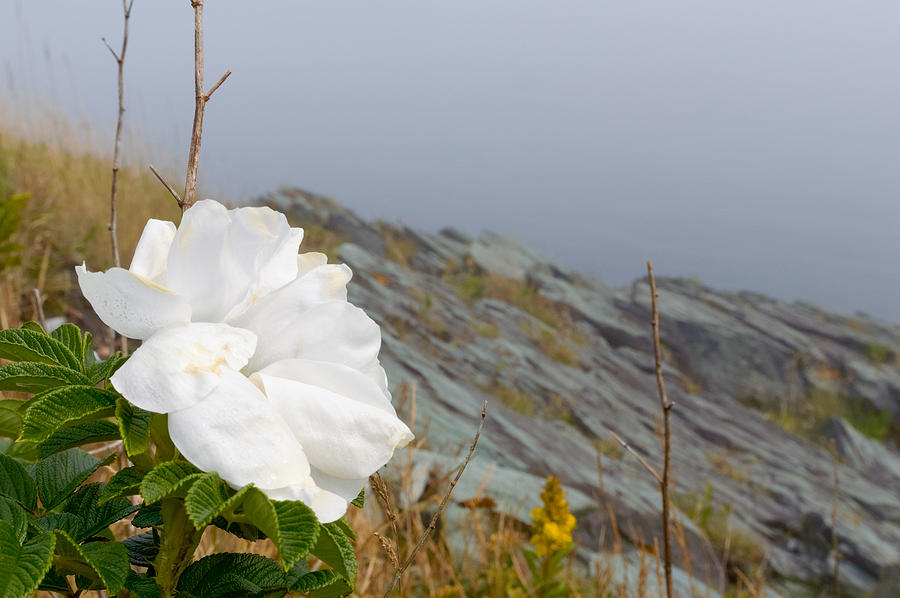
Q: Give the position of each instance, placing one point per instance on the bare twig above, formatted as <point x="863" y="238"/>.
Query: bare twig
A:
<point x="221" y="80"/>
<point x="120" y="63"/>
<point x="637" y="456"/>
<point x="168" y="186"/>
<point x="39" y="301"/>
<point x="434" y="519"/>
<point x="666" y="407"/>
<point x="113" y="218"/>
<point x="200" y="99"/>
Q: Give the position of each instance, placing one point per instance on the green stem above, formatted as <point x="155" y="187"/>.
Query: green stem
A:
<point x="177" y="542"/>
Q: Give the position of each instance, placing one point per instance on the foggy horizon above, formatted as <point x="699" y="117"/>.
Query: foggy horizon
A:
<point x="755" y="147"/>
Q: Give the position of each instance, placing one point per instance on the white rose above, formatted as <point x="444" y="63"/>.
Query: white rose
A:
<point x="268" y="374"/>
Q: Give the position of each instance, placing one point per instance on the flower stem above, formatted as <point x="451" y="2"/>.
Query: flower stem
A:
<point x="177" y="542"/>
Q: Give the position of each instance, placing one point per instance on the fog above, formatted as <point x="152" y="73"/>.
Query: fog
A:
<point x="754" y="144"/>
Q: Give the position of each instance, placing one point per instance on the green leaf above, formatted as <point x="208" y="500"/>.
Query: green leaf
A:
<point x="22" y="567"/>
<point x="291" y="525"/>
<point x="10" y="420"/>
<point x="142" y="548"/>
<point x="55" y="582"/>
<point x="321" y="580"/>
<point x="54" y="409"/>
<point x="70" y="335"/>
<point x="233" y="575"/>
<point x="58" y="475"/>
<point x="64" y="522"/>
<point x="13" y="513"/>
<point x="134" y="426"/>
<point x="345" y="528"/>
<point x="15" y="483"/>
<point x="96" y="517"/>
<point x="167" y="479"/>
<point x="141" y="586"/>
<point x="33" y="326"/>
<point x="34" y="377"/>
<point x="124" y="483"/>
<point x="103" y="370"/>
<point x="109" y="560"/>
<point x="334" y="549"/>
<point x="209" y="497"/>
<point x="79" y="434"/>
<point x="148" y="516"/>
<point x="360" y="500"/>
<point x="18" y="344"/>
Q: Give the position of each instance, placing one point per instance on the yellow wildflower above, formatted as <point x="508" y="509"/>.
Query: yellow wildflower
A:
<point x="551" y="524"/>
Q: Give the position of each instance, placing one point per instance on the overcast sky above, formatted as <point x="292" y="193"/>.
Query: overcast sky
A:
<point x="753" y="144"/>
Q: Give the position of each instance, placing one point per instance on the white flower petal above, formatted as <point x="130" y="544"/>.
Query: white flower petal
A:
<point x="336" y="377"/>
<point x="327" y="506"/>
<point x="242" y="254"/>
<point x="132" y="305"/>
<point x="377" y="374"/>
<point x="309" y="260"/>
<point x="348" y="489"/>
<point x="152" y="249"/>
<point x="333" y="331"/>
<point x="235" y="432"/>
<point x="342" y="437"/>
<point x="178" y="366"/>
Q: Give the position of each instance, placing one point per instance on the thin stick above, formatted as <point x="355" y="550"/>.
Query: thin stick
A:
<point x="39" y="301"/>
<point x="434" y="519"/>
<point x="637" y="456"/>
<point x="200" y="99"/>
<point x="666" y="407"/>
<point x="168" y="186"/>
<point x="120" y="63"/>
<point x="113" y="218"/>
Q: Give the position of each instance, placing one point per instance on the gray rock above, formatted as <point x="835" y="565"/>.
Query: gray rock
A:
<point x="734" y="362"/>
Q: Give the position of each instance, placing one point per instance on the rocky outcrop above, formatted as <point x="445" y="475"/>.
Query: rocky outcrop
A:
<point x="565" y="361"/>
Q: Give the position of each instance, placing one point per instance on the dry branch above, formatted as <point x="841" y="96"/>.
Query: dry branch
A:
<point x="434" y="519"/>
<point x="167" y="186"/>
<point x="113" y="217"/>
<point x="666" y="407"/>
<point x="200" y="100"/>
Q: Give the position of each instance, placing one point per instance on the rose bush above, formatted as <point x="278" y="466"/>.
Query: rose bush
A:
<point x="267" y="373"/>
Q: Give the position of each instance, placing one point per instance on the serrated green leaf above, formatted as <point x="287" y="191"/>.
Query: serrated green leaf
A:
<point x="148" y="516"/>
<point x="54" y="409"/>
<point x="134" y="427"/>
<point x="360" y="500"/>
<point x="142" y="548"/>
<point x="79" y="434"/>
<point x="315" y="580"/>
<point x="96" y="517"/>
<point x="10" y="419"/>
<point x="291" y="525"/>
<point x="103" y="370"/>
<point x="24" y="451"/>
<point x="70" y="335"/>
<point x="141" y="586"/>
<point x="67" y="522"/>
<point x="55" y="582"/>
<point x="345" y="528"/>
<point x="22" y="567"/>
<point x="34" y="377"/>
<point x="335" y="550"/>
<point x="13" y="513"/>
<point x="233" y="575"/>
<point x="33" y="326"/>
<point x="167" y="479"/>
<point x="18" y="344"/>
<point x="108" y="560"/>
<point x="58" y="475"/>
<point x="209" y="497"/>
<point x="15" y="483"/>
<point x="124" y="483"/>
